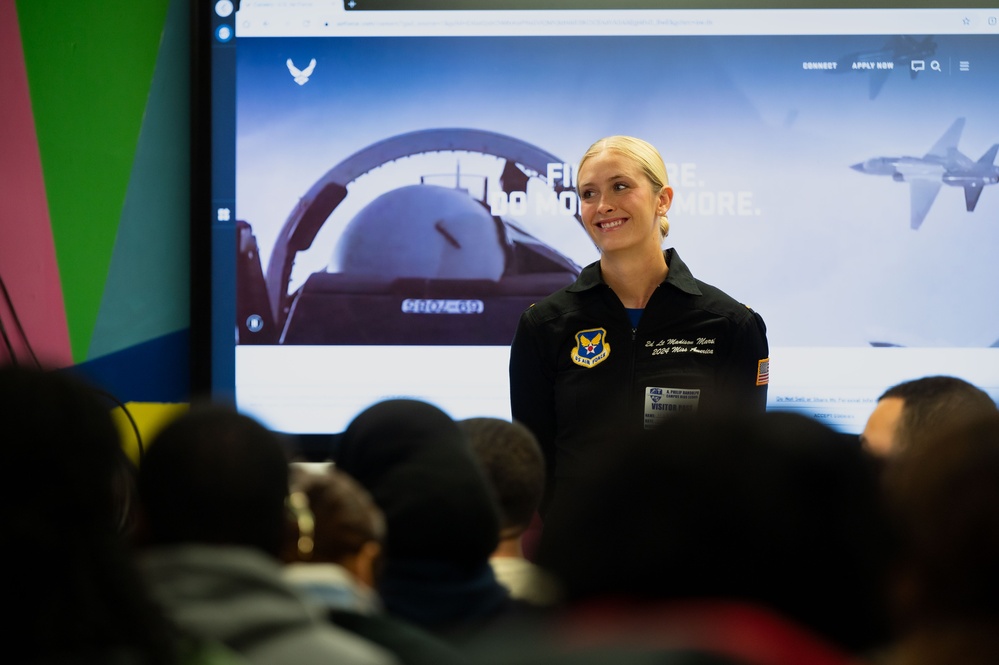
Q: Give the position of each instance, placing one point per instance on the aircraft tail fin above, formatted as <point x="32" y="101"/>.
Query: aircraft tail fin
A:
<point x="971" y="195"/>
<point x="989" y="157"/>
<point x="973" y="191"/>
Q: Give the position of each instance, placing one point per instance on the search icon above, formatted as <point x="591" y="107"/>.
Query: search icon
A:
<point x="935" y="65"/>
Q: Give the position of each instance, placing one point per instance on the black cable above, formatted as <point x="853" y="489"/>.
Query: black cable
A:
<point x="20" y="328"/>
<point x="6" y="342"/>
<point x="27" y="343"/>
<point x="128" y="414"/>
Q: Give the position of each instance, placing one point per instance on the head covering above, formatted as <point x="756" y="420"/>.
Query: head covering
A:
<point x="414" y="460"/>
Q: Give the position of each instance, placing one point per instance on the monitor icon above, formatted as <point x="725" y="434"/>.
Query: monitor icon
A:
<point x="254" y="323"/>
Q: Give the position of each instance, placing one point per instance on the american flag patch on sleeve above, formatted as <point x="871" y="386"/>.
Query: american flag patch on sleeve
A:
<point x="763" y="372"/>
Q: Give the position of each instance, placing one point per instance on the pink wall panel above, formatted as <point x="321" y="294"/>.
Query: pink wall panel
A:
<point x="27" y="255"/>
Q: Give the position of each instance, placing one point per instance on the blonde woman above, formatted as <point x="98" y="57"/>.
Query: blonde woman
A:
<point x="637" y="337"/>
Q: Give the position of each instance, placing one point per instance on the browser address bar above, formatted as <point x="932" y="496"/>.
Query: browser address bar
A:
<point x="264" y="21"/>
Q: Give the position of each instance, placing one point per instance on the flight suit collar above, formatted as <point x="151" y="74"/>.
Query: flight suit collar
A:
<point x="679" y="276"/>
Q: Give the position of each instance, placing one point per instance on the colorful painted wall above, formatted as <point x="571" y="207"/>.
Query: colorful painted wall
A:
<point x="94" y="192"/>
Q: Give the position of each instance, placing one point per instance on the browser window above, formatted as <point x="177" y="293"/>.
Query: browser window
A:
<point x="391" y="184"/>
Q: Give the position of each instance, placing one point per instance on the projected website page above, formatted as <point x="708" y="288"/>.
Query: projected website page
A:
<point x="404" y="190"/>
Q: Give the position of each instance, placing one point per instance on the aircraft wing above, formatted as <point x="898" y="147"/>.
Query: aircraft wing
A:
<point x="921" y="195"/>
<point x="948" y="142"/>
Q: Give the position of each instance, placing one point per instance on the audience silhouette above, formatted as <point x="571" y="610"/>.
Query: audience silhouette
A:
<point x="515" y="468"/>
<point x="757" y="538"/>
<point x="75" y="594"/>
<point x="909" y="411"/>
<point x="743" y="539"/>
<point x="442" y="519"/>
<point x="335" y="556"/>
<point x="213" y="489"/>
<point x="945" y="500"/>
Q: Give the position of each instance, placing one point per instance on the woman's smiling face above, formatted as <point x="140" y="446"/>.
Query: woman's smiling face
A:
<point x="618" y="205"/>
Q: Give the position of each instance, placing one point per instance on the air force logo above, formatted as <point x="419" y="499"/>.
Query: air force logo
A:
<point x="591" y="347"/>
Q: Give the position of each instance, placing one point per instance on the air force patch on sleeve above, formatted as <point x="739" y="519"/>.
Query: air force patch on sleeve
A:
<point x="591" y="347"/>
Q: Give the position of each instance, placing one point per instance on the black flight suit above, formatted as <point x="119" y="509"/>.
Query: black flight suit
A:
<point x="581" y="376"/>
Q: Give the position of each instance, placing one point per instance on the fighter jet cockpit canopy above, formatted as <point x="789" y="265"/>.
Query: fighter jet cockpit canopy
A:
<point x="420" y="263"/>
<point x="434" y="232"/>
<point x="424" y="231"/>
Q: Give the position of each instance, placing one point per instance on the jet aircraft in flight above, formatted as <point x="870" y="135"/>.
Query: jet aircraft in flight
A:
<point x="944" y="164"/>
<point x="896" y="53"/>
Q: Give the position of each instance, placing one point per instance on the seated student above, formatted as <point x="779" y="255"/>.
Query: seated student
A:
<point x="334" y="557"/>
<point x="906" y="411"/>
<point x="515" y="467"/>
<point x="73" y="590"/>
<point x="334" y="548"/>
<point x="946" y="504"/>
<point x="212" y="491"/>
<point x="442" y="520"/>
<point x="752" y="538"/>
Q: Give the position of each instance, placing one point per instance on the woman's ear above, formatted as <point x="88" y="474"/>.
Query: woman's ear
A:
<point x="665" y="200"/>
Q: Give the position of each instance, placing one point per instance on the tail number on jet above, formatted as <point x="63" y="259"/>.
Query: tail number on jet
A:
<point x="438" y="306"/>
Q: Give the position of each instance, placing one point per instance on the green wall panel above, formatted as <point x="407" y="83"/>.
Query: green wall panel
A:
<point x="90" y="66"/>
